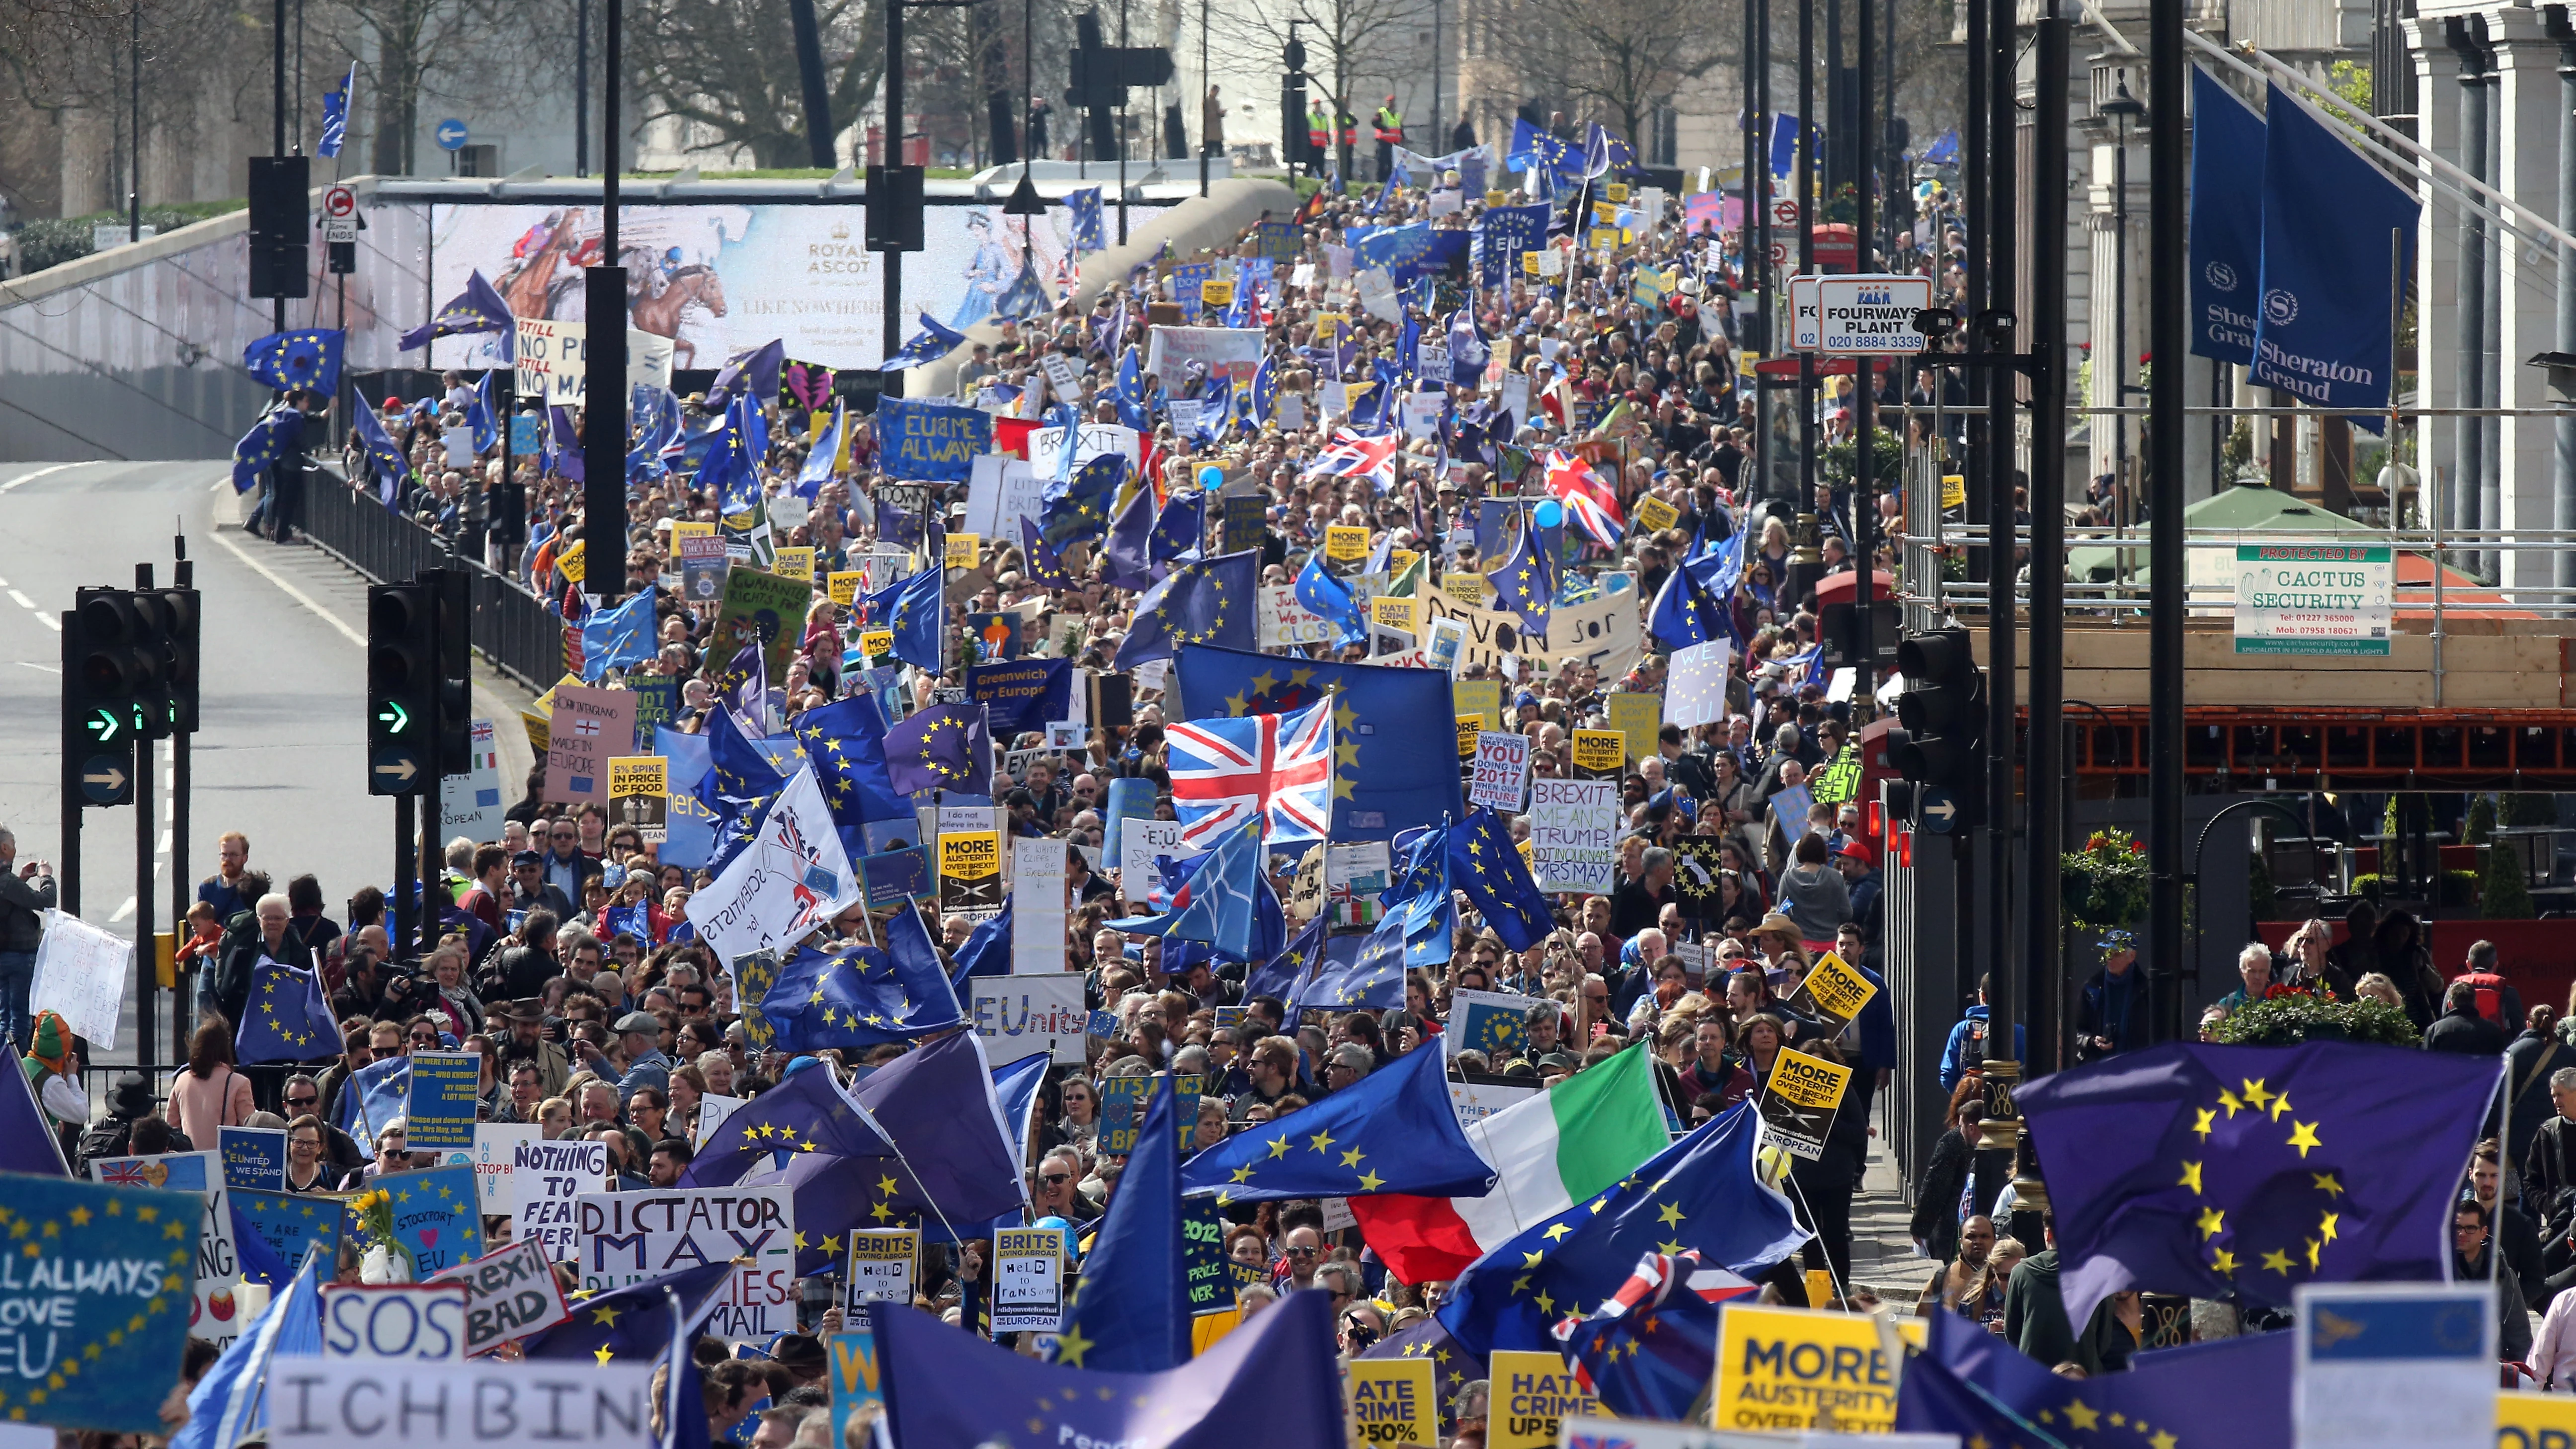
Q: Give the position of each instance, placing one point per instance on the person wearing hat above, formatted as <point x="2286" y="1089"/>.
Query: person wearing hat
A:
<point x="531" y="891"/>
<point x="525" y="1041"/>
<point x="1859" y="863"/>
<point x="2111" y="1016"/>
<point x="638" y="1033"/>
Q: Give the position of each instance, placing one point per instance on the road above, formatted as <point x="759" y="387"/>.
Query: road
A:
<point x="279" y="755"/>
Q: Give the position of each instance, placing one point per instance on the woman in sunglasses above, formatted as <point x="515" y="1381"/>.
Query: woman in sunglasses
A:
<point x="1077" y="1123"/>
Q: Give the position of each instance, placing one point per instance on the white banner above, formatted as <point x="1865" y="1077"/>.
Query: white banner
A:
<point x="1038" y="869"/>
<point x="81" y="972"/>
<point x="1695" y="692"/>
<point x="628" y="1237"/>
<point x="421" y="1321"/>
<point x="1024" y="1016"/>
<point x="325" y="1403"/>
<point x="792" y="880"/>
<point x="1001" y="491"/>
<point x="1230" y="354"/>
<point x="1603" y="632"/>
<point x="1573" y="834"/>
<point x="1284" y="621"/>
<point x="551" y="357"/>
<point x="1047" y="444"/>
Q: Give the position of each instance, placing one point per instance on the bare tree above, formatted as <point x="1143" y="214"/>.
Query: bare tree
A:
<point x="1621" y="59"/>
<point x="725" y="65"/>
<point x="1352" y="42"/>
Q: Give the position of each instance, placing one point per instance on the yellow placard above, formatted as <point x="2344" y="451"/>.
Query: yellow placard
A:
<point x="794" y="561"/>
<point x="638" y="775"/>
<point x="1533" y="1395"/>
<point x="1835" y="990"/>
<point x="1954" y="490"/>
<point x="970" y="855"/>
<point x="1482" y="698"/>
<point x="1207" y="1329"/>
<point x="2535" y="1421"/>
<point x="1600" y="751"/>
<point x="1604" y="213"/>
<point x="844" y="585"/>
<point x="963" y="549"/>
<point x="1329" y="325"/>
<point x="876" y="643"/>
<point x="1779" y="1368"/>
<point x="1217" y="292"/>
<point x="1603" y="239"/>
<point x="1404" y="614"/>
<point x="574" y="562"/>
<point x="1820" y="1288"/>
<point x="1616" y="191"/>
<point x="1744" y="362"/>
<point x="1498" y="198"/>
<point x="688" y="528"/>
<point x="1400" y="559"/>
<point x="1346" y="542"/>
<point x="1639" y="717"/>
<point x="1466" y="586"/>
<point x="1469" y="726"/>
<point x="1394" y="1401"/>
<point x="1806" y="1081"/>
<point x="1655" y="515"/>
<point x="1529" y="264"/>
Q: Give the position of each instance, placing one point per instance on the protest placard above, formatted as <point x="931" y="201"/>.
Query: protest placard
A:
<point x="1028" y="1280"/>
<point x="1533" y="1394"/>
<point x="1834" y="992"/>
<point x="854" y="1377"/>
<point x="81" y="972"/>
<point x="1599" y="754"/>
<point x="1789" y="809"/>
<point x="1573" y="834"/>
<point x="712" y="1112"/>
<point x="509" y="1293"/>
<point x="586" y="727"/>
<point x="1493" y="1022"/>
<point x="1654" y="515"/>
<point x="1798" y="1107"/>
<point x="1501" y="772"/>
<point x="438" y="1217"/>
<point x="1603" y="632"/>
<point x="1023" y="1016"/>
<point x="879" y="1268"/>
<point x="444" y="1089"/>
<point x="1695" y="690"/>
<point x="1838" y="779"/>
<point x="628" y="1237"/>
<point x="922" y="441"/>
<point x="1283" y="621"/>
<point x="1139" y="883"/>
<point x="970" y="873"/>
<point x="496" y="1164"/>
<point x="103" y="1262"/>
<point x="344" y="1403"/>
<point x="1637" y="717"/>
<point x="551" y="1178"/>
<point x="1789" y="1368"/>
<point x="469" y="802"/>
<point x="289" y="1223"/>
<point x="1393" y="1401"/>
<point x="1038" y="869"/>
<point x="419" y="1321"/>
<point x="1480" y="697"/>
<point x="1346" y="542"/>
<point x="254" y="1157"/>
<point x="793" y="561"/>
<point x="639" y="788"/>
<point x="1046" y="447"/>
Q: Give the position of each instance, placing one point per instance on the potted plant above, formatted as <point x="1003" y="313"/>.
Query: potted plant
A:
<point x="2104" y="885"/>
<point x="2287" y="1016"/>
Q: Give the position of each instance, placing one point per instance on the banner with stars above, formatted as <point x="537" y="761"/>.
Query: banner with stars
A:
<point x="2199" y="1169"/>
<point x="98" y="1279"/>
<point x="437" y="1219"/>
<point x="1389" y="773"/>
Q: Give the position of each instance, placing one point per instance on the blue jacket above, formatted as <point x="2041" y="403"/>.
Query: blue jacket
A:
<point x="1973" y="1027"/>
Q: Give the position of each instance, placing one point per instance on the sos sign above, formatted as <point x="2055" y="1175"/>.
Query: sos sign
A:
<point x="423" y="1322"/>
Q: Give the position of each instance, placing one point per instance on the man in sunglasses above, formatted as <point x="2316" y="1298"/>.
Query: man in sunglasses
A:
<point x="1305" y="1247"/>
<point x="567" y="863"/>
<point x="1054" y="1193"/>
<point x="303" y="1096"/>
<point x="531" y="891"/>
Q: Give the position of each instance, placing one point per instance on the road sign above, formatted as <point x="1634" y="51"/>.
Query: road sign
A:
<point x="451" y="135"/>
<point x="395" y="770"/>
<point x="339" y="201"/>
<point x="1871" y="315"/>
<point x="1940" y="812"/>
<point x="1784" y="212"/>
<point x="1779" y="254"/>
<point x="103" y="779"/>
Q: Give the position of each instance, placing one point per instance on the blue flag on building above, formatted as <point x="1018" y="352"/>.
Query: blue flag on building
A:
<point x="479" y="308"/>
<point x="632" y="1323"/>
<point x="944" y="747"/>
<point x="1132" y="1312"/>
<point x="2338" y="245"/>
<point x="1701" y="1193"/>
<point x="863" y="996"/>
<point x="278" y="432"/>
<point x="2228" y="142"/>
<point x="1078" y="507"/>
<point x="2201" y="1169"/>
<point x="752" y="373"/>
<point x="1212" y="601"/>
<point x="618" y="638"/>
<point x="913" y="607"/>
<point x="335" y="117"/>
<point x="1395" y="1131"/>
<point x="1271" y="1384"/>
<point x="285" y="1018"/>
<point x="308" y="360"/>
<point x="1399" y="777"/>
<point x="930" y="344"/>
<point x="1970" y="1382"/>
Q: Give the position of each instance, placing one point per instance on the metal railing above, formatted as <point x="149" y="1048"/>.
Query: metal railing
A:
<point x="512" y="627"/>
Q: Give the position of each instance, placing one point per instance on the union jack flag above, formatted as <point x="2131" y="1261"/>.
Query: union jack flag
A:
<point x="1668" y="1310"/>
<point x="1592" y="502"/>
<point x="1281" y="765"/>
<point x="1353" y="456"/>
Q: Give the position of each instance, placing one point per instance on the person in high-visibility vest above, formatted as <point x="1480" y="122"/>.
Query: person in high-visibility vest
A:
<point x="1388" y="126"/>
<point x="1319" y="135"/>
<point x="1350" y="127"/>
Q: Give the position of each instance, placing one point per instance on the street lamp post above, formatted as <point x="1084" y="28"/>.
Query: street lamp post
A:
<point x="2123" y="108"/>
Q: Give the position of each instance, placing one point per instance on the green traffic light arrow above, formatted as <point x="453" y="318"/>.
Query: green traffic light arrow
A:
<point x="102" y="723"/>
<point x="394" y="717"/>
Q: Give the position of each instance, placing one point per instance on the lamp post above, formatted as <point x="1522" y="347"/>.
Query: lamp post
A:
<point x="2123" y="109"/>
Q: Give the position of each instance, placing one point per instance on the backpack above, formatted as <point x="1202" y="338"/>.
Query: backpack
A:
<point x="1972" y="1052"/>
<point x="2490" y="994"/>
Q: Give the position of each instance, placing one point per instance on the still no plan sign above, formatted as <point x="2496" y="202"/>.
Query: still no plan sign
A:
<point x="1868" y="316"/>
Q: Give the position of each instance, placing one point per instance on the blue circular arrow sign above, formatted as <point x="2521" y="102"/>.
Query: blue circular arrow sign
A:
<point x="451" y="134"/>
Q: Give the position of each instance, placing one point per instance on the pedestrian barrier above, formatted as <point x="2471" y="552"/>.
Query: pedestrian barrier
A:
<point x="511" y="627"/>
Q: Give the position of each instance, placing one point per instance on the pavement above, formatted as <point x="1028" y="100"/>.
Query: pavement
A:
<point x="1883" y="1257"/>
<point x="279" y="754"/>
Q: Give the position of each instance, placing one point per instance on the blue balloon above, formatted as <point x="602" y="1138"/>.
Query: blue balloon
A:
<point x="1550" y="514"/>
<point x="1211" y="477"/>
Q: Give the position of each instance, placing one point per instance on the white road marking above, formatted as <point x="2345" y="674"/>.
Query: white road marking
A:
<point x="291" y="591"/>
<point x="124" y="912"/>
<point x="39" y="473"/>
<point x="21" y="600"/>
<point x="49" y="621"/>
<point x="48" y="668"/>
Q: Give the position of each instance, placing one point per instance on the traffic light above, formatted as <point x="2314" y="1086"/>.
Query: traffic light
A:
<point x="281" y="226"/>
<point x="452" y="734"/>
<point x="402" y="688"/>
<point x="178" y="646"/>
<point x="1943" y="715"/>
<point x="109" y="678"/>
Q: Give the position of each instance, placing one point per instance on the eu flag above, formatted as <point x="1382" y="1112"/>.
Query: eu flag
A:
<point x="308" y="359"/>
<point x="1209" y="602"/>
<point x="1126" y="557"/>
<point x="1360" y="972"/>
<point x="1486" y="864"/>
<point x="618" y="638"/>
<point x="1132" y="1313"/>
<point x="1393" y="1131"/>
<point x="385" y="460"/>
<point x="1701" y="1193"/>
<point x="738" y="773"/>
<point x="278" y="432"/>
<point x="944" y="747"/>
<point x="1451" y="1369"/>
<point x="845" y="740"/>
<point x="1526" y="583"/>
<point x="751" y="373"/>
<point x="1084" y="205"/>
<point x="1045" y="565"/>
<point x="1645" y="1353"/>
<point x="913" y="607"/>
<point x="930" y="344"/>
<point x="1329" y="599"/>
<point x="1279" y="975"/>
<point x="373" y="1096"/>
<point x="1389" y="773"/>
<point x="632" y="1324"/>
<point x="335" y="117"/>
<point x="1684" y="614"/>
<point x="1970" y="1382"/>
<point x="864" y="996"/>
<point x="2200" y="1169"/>
<point x="479" y="308"/>
<point x="1180" y="529"/>
<point x="1078" y="507"/>
<point x="286" y="1019"/>
<point x="1271" y="1384"/>
<point x="987" y="951"/>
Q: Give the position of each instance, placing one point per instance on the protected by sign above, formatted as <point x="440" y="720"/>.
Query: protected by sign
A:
<point x="2313" y="599"/>
<point x="1798" y="1108"/>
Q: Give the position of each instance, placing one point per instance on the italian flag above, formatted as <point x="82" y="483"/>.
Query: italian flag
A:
<point x="1549" y="1152"/>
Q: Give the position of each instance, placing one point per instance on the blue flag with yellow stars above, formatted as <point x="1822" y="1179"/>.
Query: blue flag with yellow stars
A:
<point x="930" y="344"/>
<point x="1360" y="972"/>
<point x="1084" y="206"/>
<point x="1181" y="528"/>
<point x="438" y="1219"/>
<point x="864" y="996"/>
<point x="385" y="461"/>
<point x="276" y="434"/>
<point x="1421" y="897"/>
<point x="1392" y="1131"/>
<point x="1132" y="1311"/>
<point x="805" y="1112"/>
<point x="631" y="1324"/>
<point x="618" y="638"/>
<point x="1045" y="565"/>
<point x="479" y="308"/>
<point x="1125" y="558"/>
<point x="1450" y="1368"/>
<point x="285" y="1019"/>
<point x="1208" y="602"/>
<point x="1701" y="1193"/>
<point x="335" y="117"/>
<point x="738" y="773"/>
<point x="2200" y="1169"/>
<point x="112" y="1268"/>
<point x="1329" y="599"/>
<point x="987" y="951"/>
<point x="1486" y="864"/>
<point x="1498" y="1029"/>
<point x="1684" y="614"/>
<point x="912" y="607"/>
<point x="307" y="360"/>
<point x="1389" y="774"/>
<point x="751" y="373"/>
<point x="944" y="747"/>
<point x="1078" y="507"/>
<point x="1973" y="1383"/>
<point x="1526" y="583"/>
<point x="1279" y="975"/>
<point x="288" y="1223"/>
<point x="845" y="740"/>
